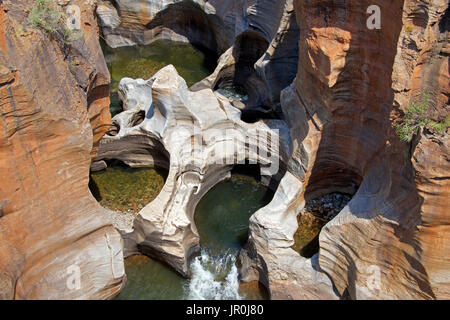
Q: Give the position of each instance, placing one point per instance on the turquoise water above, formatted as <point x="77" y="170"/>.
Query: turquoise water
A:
<point x="143" y="62"/>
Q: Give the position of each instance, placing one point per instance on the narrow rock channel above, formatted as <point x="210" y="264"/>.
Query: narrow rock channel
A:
<point x="222" y="221"/>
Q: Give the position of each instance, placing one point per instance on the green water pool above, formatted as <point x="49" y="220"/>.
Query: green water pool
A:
<point x="149" y="279"/>
<point x="222" y="220"/>
<point x="143" y="62"/>
<point x="124" y="189"/>
<point x="314" y="216"/>
<point x="223" y="213"/>
<point x="306" y="240"/>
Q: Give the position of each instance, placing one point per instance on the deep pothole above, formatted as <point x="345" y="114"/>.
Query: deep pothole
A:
<point x="222" y="221"/>
<point x="313" y="217"/>
<point x="228" y="205"/>
<point x="126" y="190"/>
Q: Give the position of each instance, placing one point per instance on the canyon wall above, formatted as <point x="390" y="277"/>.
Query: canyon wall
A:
<point x="353" y="86"/>
<point x="395" y="229"/>
<point x="213" y="24"/>
<point x="54" y="99"/>
<point x="263" y="35"/>
<point x="422" y="69"/>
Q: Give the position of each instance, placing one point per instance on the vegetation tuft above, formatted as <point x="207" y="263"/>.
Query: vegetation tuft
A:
<point x="48" y="17"/>
<point x="416" y="118"/>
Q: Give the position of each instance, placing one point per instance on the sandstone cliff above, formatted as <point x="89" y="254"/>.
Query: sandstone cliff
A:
<point x="354" y="86"/>
<point x="349" y="77"/>
<point x="52" y="96"/>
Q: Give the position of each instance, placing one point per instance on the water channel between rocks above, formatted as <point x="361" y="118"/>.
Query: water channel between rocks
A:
<point x="143" y="62"/>
<point x="222" y="220"/>
<point x="222" y="215"/>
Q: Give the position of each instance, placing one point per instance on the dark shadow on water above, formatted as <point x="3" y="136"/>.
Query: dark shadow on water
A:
<point x="222" y="215"/>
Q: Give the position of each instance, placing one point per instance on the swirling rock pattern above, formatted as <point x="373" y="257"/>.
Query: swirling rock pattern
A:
<point x="204" y="137"/>
<point x="390" y="241"/>
<point x="51" y="98"/>
<point x="352" y="86"/>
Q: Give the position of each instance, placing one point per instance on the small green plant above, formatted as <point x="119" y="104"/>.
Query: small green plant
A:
<point x="409" y="29"/>
<point x="440" y="127"/>
<point x="48" y="17"/>
<point x="416" y="118"/>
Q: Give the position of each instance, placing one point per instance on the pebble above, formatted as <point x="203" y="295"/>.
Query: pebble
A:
<point x="328" y="206"/>
<point x="121" y="221"/>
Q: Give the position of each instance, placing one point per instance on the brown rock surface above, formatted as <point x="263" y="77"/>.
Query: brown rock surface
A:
<point x="353" y="85"/>
<point x="391" y="241"/>
<point x="51" y="95"/>
<point x="422" y="68"/>
<point x="395" y="223"/>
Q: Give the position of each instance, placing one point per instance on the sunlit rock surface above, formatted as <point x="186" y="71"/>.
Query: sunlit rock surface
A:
<point x="51" y="228"/>
<point x="352" y="86"/>
<point x="199" y="136"/>
<point x="341" y="121"/>
<point x="389" y="241"/>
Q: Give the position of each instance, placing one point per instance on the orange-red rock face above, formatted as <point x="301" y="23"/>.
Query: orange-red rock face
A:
<point x="391" y="241"/>
<point x="349" y="77"/>
<point x="422" y="68"/>
<point x="50" y="98"/>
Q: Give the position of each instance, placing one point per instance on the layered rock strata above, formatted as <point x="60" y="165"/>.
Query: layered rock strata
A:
<point x="353" y="84"/>
<point x="56" y="242"/>
<point x="389" y="241"/>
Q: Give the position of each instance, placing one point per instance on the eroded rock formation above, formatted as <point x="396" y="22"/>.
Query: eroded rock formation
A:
<point x="390" y="240"/>
<point x="353" y="85"/>
<point x="52" y="97"/>
<point x="204" y="137"/>
<point x="247" y="26"/>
